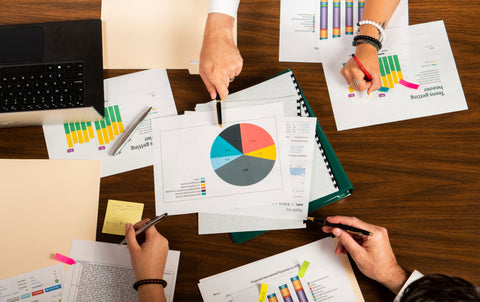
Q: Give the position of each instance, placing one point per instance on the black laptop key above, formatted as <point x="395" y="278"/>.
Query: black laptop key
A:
<point x="41" y="86"/>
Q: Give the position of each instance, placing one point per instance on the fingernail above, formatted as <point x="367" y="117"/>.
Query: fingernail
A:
<point x="369" y="95"/>
<point x="127" y="226"/>
<point x="336" y="232"/>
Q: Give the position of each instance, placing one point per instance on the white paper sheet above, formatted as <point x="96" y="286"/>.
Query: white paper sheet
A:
<point x="103" y="272"/>
<point x="131" y="94"/>
<point x="325" y="278"/>
<point x="199" y="165"/>
<point x="301" y="29"/>
<point x="426" y="59"/>
<point x="281" y="88"/>
<point x="42" y="285"/>
<point x="283" y="214"/>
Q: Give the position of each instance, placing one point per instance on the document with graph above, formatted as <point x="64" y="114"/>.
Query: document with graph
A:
<point x="327" y="277"/>
<point x="126" y="97"/>
<point x="419" y="78"/>
<point x="316" y="30"/>
<point x="201" y="166"/>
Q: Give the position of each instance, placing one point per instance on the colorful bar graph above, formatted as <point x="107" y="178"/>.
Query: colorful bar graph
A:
<point x="323" y="20"/>
<point x="105" y="130"/>
<point x="285" y="293"/>
<point x="68" y="134"/>
<point x="119" y="118"/>
<point x="361" y="6"/>
<point x="336" y="19"/>
<point x="272" y="298"/>
<point x="297" y="285"/>
<point x="390" y="71"/>
<point x="349" y="17"/>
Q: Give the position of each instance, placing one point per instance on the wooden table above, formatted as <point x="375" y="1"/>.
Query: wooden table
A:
<point x="419" y="178"/>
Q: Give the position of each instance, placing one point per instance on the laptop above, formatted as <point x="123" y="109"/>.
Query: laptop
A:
<point x="51" y="73"/>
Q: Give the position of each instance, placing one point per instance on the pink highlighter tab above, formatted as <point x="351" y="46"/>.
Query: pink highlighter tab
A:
<point x="408" y="84"/>
<point x="64" y="259"/>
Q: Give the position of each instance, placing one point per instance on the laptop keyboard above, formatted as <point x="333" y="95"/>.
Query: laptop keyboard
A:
<point x="41" y="86"/>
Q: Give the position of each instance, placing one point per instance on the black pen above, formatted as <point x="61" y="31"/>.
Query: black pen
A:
<point x="219" y="110"/>
<point x="146" y="226"/>
<point x="350" y="229"/>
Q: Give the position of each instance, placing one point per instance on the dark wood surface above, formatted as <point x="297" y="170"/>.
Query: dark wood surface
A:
<point x="419" y="178"/>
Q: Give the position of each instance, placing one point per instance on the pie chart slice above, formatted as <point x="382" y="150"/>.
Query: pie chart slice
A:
<point x="243" y="154"/>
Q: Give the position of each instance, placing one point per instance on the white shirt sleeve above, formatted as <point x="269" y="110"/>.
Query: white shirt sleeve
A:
<point x="413" y="277"/>
<point x="228" y="7"/>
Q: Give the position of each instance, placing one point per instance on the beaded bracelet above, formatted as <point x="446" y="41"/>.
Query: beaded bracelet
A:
<point x="149" y="281"/>
<point x="366" y="42"/>
<point x="378" y="26"/>
<point x="363" y="37"/>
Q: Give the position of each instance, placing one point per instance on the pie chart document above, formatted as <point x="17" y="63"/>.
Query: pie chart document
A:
<point x="200" y="166"/>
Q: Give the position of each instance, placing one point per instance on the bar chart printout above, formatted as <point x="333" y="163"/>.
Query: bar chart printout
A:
<point x="105" y="130"/>
<point x="391" y="74"/>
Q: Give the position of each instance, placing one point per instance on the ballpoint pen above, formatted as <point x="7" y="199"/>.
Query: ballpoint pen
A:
<point x="219" y="110"/>
<point x="364" y="70"/>
<point x="117" y="149"/>
<point x="146" y="226"/>
<point x="350" y="229"/>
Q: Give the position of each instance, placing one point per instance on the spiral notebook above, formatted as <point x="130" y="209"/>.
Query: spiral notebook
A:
<point x="329" y="181"/>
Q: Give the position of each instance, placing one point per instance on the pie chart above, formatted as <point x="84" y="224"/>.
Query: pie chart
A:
<point x="243" y="154"/>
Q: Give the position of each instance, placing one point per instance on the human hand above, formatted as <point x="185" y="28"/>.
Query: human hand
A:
<point x="372" y="254"/>
<point x="352" y="73"/>
<point x="220" y="59"/>
<point x="148" y="259"/>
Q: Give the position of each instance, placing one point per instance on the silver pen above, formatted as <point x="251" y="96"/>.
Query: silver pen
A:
<point x="117" y="149"/>
<point x="146" y="226"/>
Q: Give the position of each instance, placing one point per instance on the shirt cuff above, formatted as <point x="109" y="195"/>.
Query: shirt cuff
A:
<point x="228" y="7"/>
<point x="413" y="277"/>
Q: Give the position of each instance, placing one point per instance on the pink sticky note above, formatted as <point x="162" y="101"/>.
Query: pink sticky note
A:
<point x="408" y="84"/>
<point x="64" y="259"/>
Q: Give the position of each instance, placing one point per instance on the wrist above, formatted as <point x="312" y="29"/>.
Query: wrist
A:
<point x="365" y="48"/>
<point x="396" y="278"/>
<point x="219" y="26"/>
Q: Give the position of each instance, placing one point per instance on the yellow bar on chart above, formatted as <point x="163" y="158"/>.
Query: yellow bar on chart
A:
<point x="99" y="133"/>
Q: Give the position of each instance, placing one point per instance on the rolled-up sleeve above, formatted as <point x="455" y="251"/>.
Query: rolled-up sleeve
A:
<point x="228" y="7"/>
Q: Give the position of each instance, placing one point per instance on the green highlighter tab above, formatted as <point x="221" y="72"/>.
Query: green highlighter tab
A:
<point x="303" y="269"/>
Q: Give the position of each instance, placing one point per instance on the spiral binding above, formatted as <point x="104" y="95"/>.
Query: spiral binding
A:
<point x="302" y="110"/>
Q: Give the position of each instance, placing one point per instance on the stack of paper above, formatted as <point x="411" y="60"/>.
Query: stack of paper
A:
<point x="254" y="173"/>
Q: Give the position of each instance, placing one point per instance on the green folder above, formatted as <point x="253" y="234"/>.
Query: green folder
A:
<point x="337" y="172"/>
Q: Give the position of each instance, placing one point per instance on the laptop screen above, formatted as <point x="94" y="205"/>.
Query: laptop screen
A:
<point x="25" y="44"/>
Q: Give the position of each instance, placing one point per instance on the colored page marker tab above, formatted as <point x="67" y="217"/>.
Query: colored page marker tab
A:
<point x="303" y="269"/>
<point x="408" y="84"/>
<point x="64" y="259"/>
<point x="263" y="292"/>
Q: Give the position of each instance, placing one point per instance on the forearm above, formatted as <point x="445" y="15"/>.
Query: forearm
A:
<point x="219" y="24"/>
<point x="379" y="11"/>
<point x="396" y="278"/>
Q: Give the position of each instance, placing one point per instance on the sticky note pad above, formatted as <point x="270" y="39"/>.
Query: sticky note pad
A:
<point x="121" y="212"/>
<point x="303" y="269"/>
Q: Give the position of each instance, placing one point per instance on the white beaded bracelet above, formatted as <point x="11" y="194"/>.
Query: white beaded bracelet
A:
<point x="373" y="23"/>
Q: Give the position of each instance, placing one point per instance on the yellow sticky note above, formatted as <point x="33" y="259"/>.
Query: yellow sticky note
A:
<point x="121" y="212"/>
<point x="263" y="292"/>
